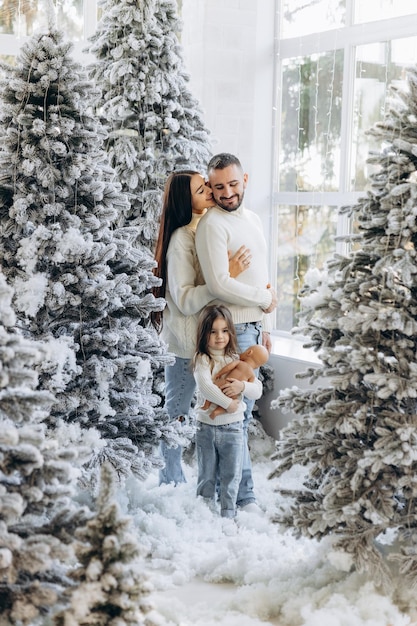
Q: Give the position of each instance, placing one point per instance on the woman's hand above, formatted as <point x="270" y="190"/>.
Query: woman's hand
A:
<point x="232" y="387"/>
<point x="239" y="262"/>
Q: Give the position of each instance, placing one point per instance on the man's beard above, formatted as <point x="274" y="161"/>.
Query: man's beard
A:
<point x="230" y="209"/>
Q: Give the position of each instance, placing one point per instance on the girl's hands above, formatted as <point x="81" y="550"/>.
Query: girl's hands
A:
<point x="232" y="387"/>
<point x="239" y="261"/>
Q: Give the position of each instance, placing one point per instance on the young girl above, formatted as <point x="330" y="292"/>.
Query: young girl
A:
<point x="219" y="441"/>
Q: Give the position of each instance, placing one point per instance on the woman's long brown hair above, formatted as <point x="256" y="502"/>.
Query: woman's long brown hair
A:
<point x="176" y="212"/>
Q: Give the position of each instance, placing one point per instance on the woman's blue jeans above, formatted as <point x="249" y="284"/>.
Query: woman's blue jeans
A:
<point x="247" y="335"/>
<point x="219" y="456"/>
<point x="179" y="392"/>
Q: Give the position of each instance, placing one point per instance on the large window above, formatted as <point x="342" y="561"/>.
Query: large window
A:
<point x="19" y="19"/>
<point x="27" y="16"/>
<point x="335" y="64"/>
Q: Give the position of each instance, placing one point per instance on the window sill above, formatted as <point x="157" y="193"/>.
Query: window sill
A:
<point x="288" y="347"/>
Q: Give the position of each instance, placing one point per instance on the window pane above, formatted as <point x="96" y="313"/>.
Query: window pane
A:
<point x="302" y="17"/>
<point x="310" y="122"/>
<point x="306" y="238"/>
<point x="378" y="66"/>
<point x="384" y="9"/>
<point x="25" y="17"/>
<point x="8" y="59"/>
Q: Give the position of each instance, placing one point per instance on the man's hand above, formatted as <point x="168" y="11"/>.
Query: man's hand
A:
<point x="274" y="300"/>
<point x="266" y="341"/>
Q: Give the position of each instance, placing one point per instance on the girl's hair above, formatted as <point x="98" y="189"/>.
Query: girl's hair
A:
<point x="205" y="323"/>
<point x="176" y="212"/>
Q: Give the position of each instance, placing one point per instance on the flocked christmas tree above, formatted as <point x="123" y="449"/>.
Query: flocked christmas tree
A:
<point x="37" y="481"/>
<point x="75" y="274"/>
<point x="110" y="586"/>
<point x="355" y="431"/>
<point x="155" y="123"/>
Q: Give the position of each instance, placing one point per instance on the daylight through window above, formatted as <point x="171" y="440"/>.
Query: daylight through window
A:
<point x="332" y="86"/>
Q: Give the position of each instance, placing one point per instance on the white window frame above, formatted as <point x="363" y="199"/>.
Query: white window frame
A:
<point x="347" y="38"/>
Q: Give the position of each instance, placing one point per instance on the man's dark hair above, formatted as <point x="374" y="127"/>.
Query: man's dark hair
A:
<point x="222" y="160"/>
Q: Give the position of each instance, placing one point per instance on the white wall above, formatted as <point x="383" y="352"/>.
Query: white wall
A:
<point x="229" y="53"/>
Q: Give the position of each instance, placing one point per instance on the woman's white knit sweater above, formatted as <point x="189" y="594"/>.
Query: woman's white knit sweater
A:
<point x="186" y="294"/>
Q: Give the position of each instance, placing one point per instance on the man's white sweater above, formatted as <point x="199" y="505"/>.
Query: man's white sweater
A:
<point x="246" y="295"/>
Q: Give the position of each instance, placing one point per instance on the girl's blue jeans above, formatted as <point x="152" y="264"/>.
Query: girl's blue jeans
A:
<point x="179" y="392"/>
<point x="219" y="456"/>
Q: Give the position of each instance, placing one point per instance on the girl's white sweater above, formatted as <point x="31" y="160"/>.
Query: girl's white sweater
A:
<point x="204" y="371"/>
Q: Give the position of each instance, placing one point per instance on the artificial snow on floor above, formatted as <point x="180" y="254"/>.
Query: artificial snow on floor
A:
<point x="207" y="571"/>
